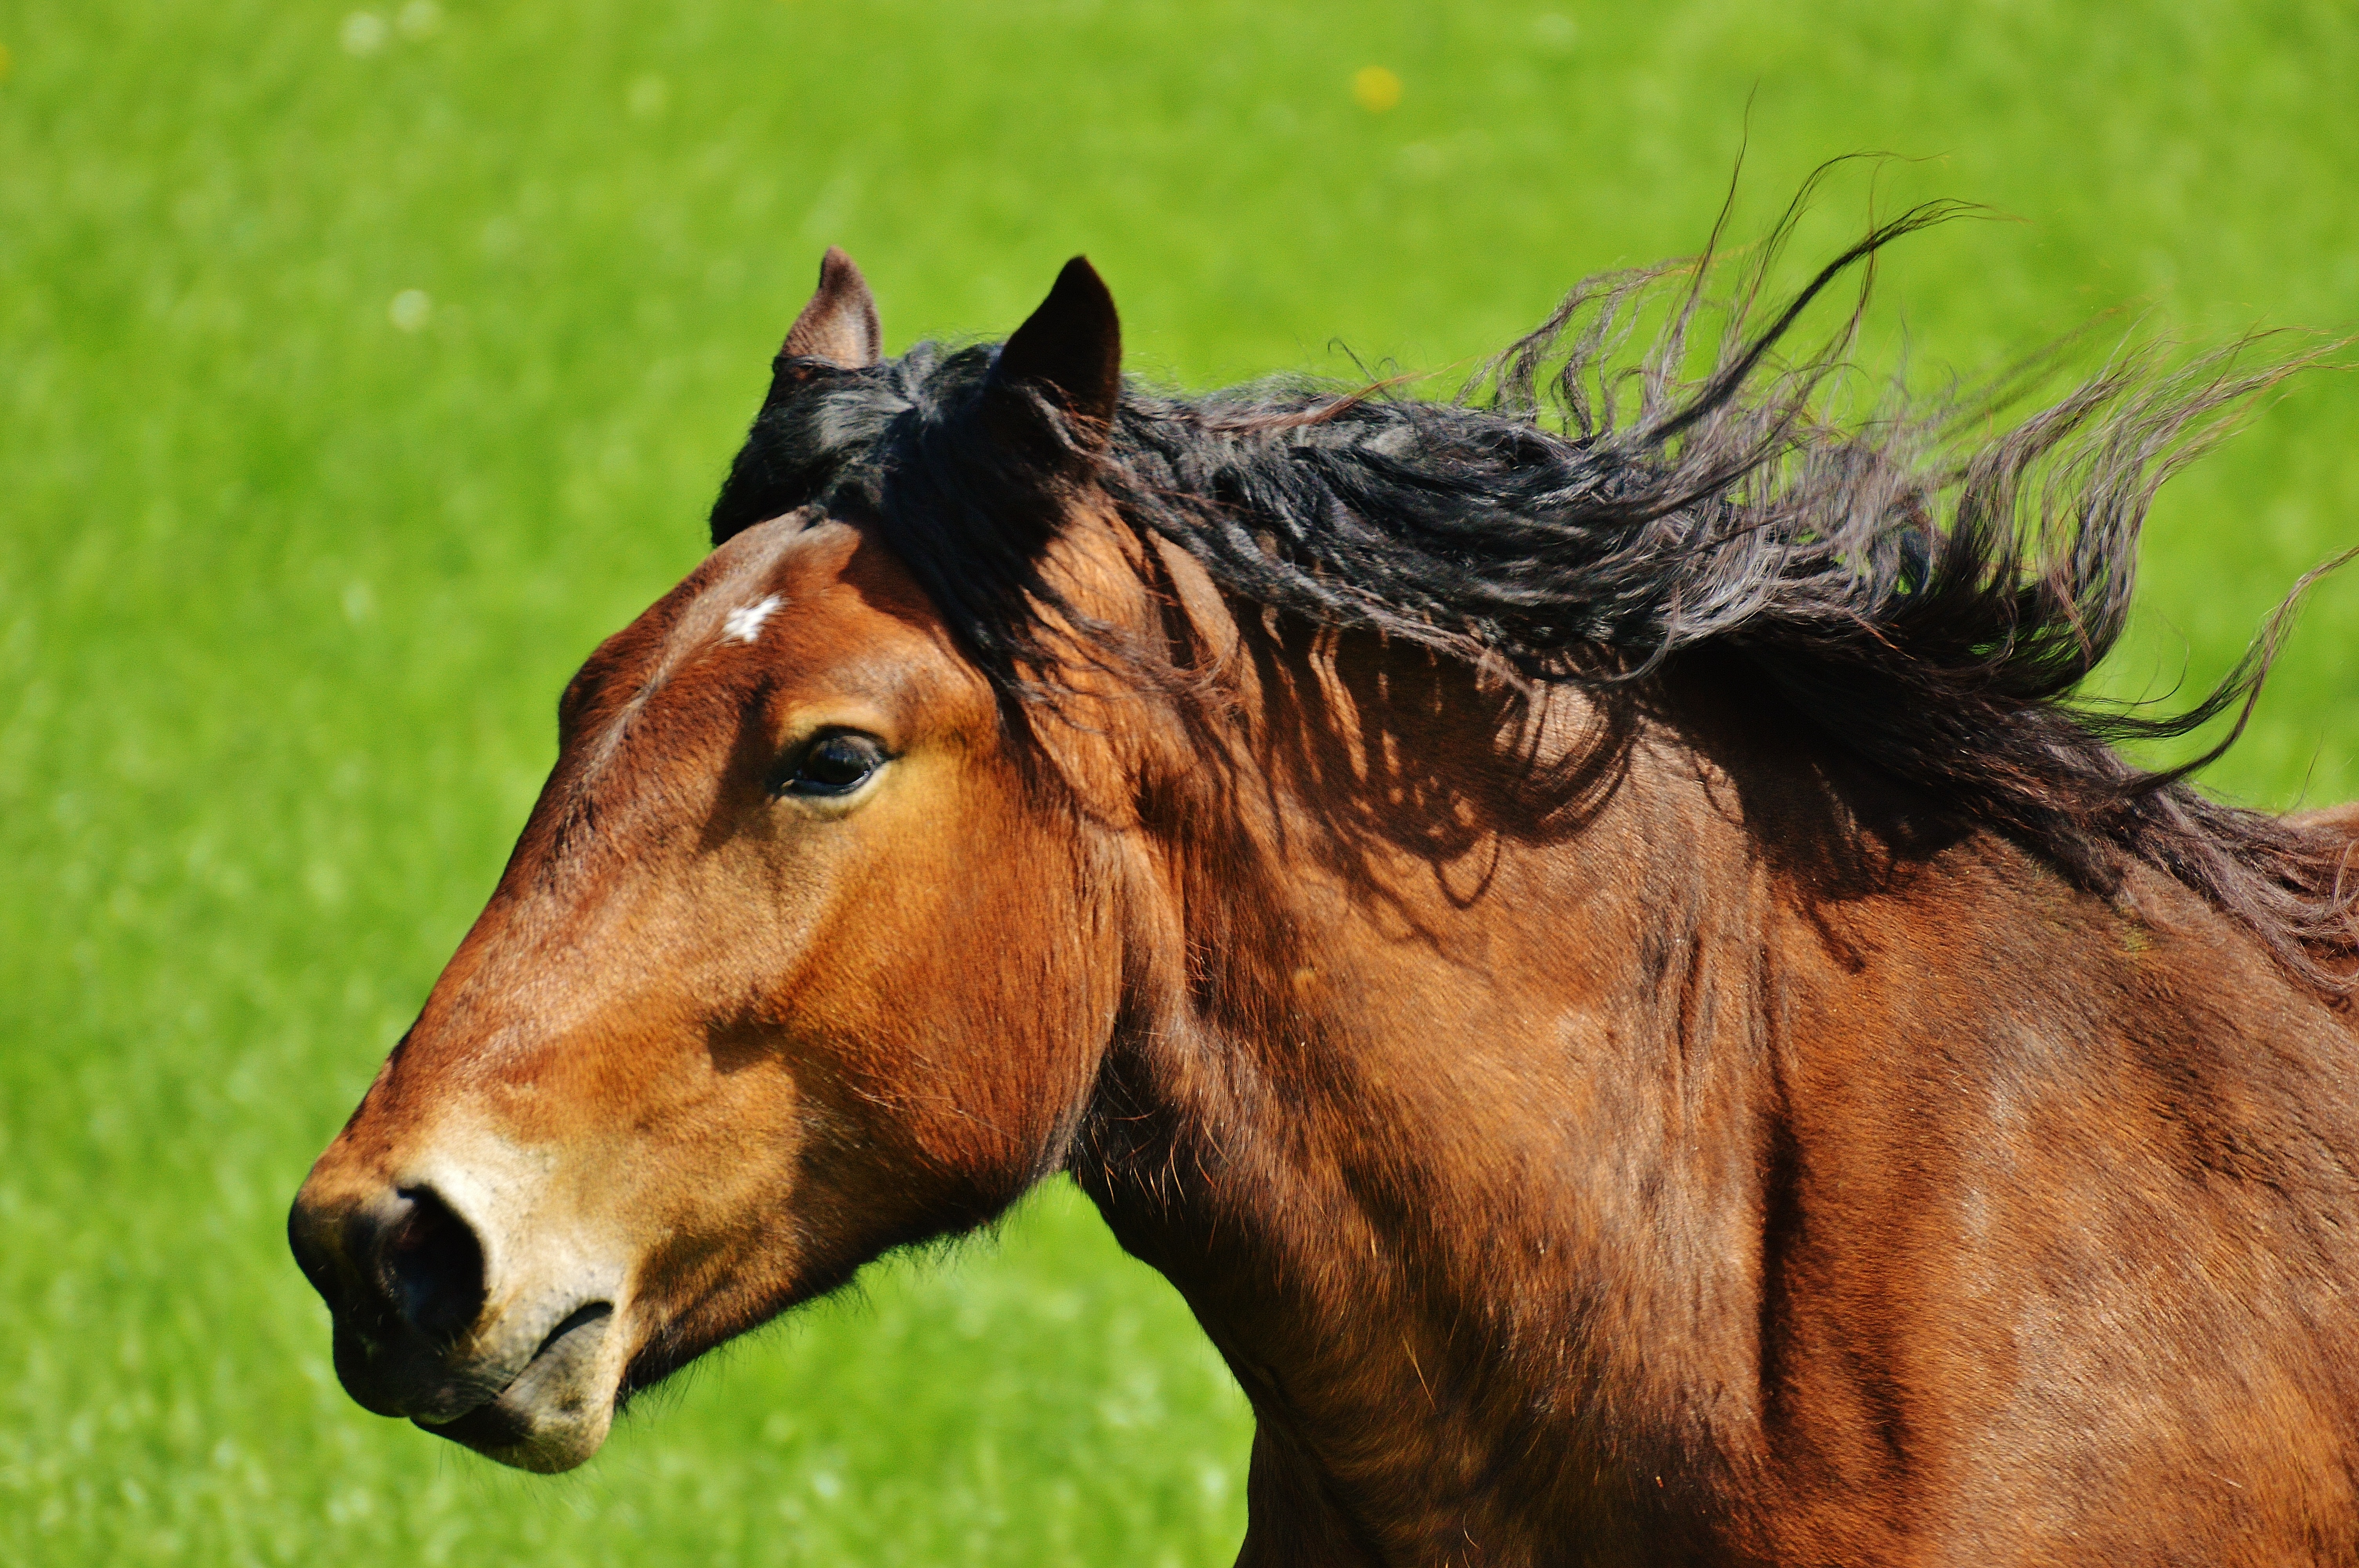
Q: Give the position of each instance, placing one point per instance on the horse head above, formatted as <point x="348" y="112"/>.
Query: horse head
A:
<point x="796" y="960"/>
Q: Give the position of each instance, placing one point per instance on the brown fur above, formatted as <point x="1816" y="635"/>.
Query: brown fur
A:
<point x="1596" y="1126"/>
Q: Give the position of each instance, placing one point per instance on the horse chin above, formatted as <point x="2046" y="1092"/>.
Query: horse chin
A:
<point x="558" y="1411"/>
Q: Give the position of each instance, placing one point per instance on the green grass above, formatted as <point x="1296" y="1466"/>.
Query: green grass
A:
<point x="287" y="592"/>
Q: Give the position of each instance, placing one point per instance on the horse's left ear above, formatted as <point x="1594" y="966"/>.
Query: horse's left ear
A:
<point x="1070" y="350"/>
<point x="839" y="324"/>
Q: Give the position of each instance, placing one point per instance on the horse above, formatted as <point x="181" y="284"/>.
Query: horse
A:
<point x="1582" y="925"/>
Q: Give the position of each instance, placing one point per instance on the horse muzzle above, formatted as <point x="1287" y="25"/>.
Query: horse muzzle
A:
<point x="507" y="1344"/>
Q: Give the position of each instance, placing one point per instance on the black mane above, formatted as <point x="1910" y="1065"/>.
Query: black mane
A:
<point x="1924" y="585"/>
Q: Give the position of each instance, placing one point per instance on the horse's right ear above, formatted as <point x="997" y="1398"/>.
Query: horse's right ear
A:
<point x="839" y="325"/>
<point x="1068" y="350"/>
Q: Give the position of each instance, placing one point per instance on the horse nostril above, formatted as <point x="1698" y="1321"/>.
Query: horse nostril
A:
<point x="312" y="1256"/>
<point x="433" y="1266"/>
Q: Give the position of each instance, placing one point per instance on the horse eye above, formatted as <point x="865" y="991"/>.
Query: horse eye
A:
<point x="836" y="764"/>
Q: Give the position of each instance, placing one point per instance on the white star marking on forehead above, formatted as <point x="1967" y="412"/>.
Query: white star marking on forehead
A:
<point x="745" y="623"/>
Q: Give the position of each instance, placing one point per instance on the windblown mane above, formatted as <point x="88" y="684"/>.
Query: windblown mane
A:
<point x="1924" y="585"/>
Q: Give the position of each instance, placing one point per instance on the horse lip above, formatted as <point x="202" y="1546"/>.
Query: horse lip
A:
<point x="578" y="1318"/>
<point x="403" y="1374"/>
<point x="541" y="1420"/>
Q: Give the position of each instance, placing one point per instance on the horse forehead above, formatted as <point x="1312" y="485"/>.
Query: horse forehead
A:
<point x="753" y="586"/>
<point x="742" y="593"/>
<point x="754" y="576"/>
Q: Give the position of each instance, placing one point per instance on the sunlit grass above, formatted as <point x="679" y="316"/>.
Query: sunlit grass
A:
<point x="364" y="365"/>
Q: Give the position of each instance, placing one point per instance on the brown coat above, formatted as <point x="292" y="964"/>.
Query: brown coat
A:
<point x="1599" y="1121"/>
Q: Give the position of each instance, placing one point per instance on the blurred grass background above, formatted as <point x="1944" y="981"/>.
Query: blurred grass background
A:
<point x="360" y="369"/>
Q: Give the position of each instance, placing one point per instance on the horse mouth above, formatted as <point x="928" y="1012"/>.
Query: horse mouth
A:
<point x="555" y="1413"/>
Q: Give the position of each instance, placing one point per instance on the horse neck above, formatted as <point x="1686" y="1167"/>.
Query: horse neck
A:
<point x="1616" y="1155"/>
<point x="1423" y="1028"/>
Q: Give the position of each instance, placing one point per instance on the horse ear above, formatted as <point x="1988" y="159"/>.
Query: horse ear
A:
<point x="1070" y="349"/>
<point x="840" y="323"/>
